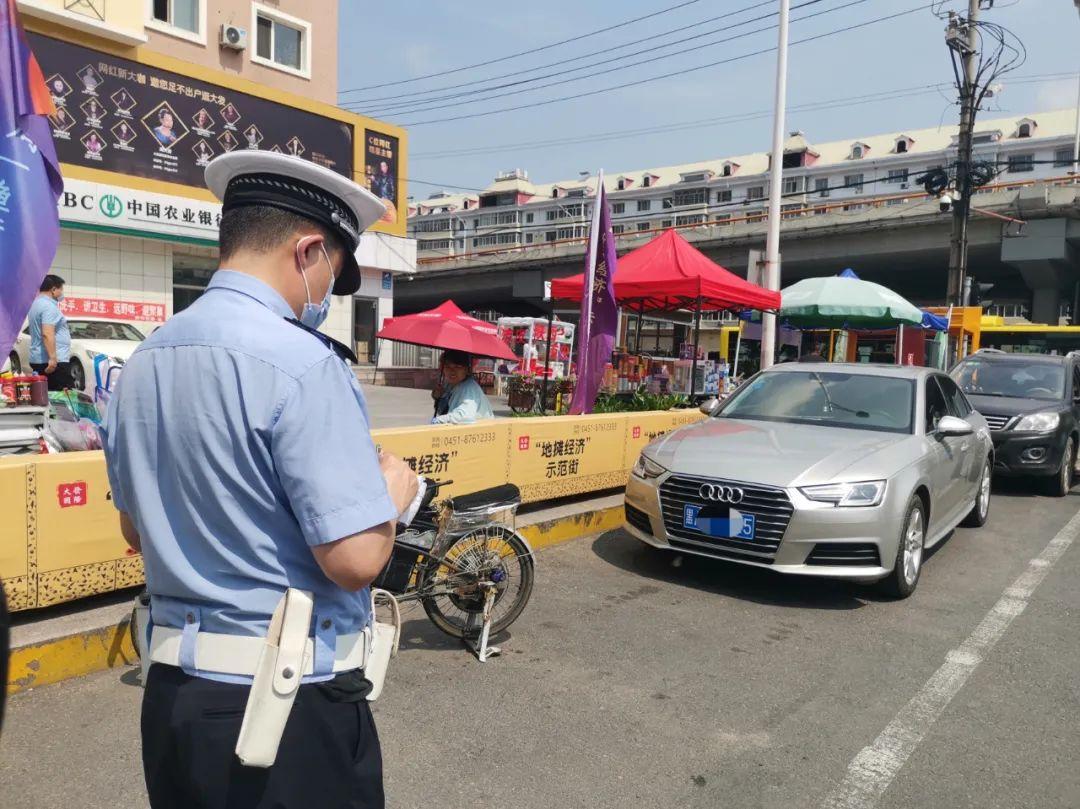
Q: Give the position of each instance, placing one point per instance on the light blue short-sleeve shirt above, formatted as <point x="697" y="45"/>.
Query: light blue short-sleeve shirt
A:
<point x="236" y="441"/>
<point x="45" y="311"/>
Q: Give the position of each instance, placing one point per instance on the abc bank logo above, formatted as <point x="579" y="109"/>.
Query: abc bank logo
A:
<point x="111" y="205"/>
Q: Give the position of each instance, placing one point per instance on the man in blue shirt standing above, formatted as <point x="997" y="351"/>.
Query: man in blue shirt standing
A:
<point x="50" y="341"/>
<point x="240" y="459"/>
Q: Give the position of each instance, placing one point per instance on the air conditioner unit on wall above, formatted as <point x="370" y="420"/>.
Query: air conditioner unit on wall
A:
<point x="234" y="37"/>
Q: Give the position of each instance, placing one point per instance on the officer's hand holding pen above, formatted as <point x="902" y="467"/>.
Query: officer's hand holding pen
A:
<point x="401" y="481"/>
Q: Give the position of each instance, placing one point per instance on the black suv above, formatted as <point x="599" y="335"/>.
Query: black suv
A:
<point x="1032" y="404"/>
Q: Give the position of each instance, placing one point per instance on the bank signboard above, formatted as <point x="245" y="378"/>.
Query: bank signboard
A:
<point x="140" y="213"/>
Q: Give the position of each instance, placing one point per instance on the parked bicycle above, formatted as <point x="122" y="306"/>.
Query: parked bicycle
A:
<point x="463" y="560"/>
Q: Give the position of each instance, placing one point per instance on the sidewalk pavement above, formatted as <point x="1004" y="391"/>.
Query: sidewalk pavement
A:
<point x="408" y="407"/>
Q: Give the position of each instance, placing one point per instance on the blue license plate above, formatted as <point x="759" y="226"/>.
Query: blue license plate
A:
<point x="735" y="526"/>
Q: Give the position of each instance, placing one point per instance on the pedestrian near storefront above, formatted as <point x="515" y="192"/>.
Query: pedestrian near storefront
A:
<point x="240" y="459"/>
<point x="50" y="340"/>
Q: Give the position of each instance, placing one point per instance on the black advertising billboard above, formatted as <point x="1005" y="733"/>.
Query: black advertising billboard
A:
<point x="381" y="169"/>
<point x="118" y="115"/>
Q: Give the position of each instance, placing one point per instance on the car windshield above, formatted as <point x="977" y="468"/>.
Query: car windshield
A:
<point x="837" y="399"/>
<point x="100" y="330"/>
<point x="1019" y="379"/>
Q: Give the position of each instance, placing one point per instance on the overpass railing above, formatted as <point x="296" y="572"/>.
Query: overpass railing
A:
<point x="849" y="205"/>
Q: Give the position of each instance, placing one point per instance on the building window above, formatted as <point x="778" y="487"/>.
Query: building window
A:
<point x="528" y="217"/>
<point x="643" y="226"/>
<point x="644" y="204"/>
<point x="550" y="236"/>
<point x="821" y="186"/>
<point x="723" y="195"/>
<point x="857" y="152"/>
<point x="1063" y="157"/>
<point x="694" y="196"/>
<point x="646" y="181"/>
<point x="901" y="146"/>
<point x="723" y="219"/>
<point x="1021" y="162"/>
<point x="617" y="229"/>
<point x="621" y="185"/>
<point x="183" y="18"/>
<point x="551" y="215"/>
<point x="791" y="185"/>
<point x="618" y="207"/>
<point x="755" y="192"/>
<point x="528" y="238"/>
<point x="854" y="182"/>
<point x="692" y="219"/>
<point x="665" y="223"/>
<point x="1024" y="131"/>
<point x="897" y="176"/>
<point x="281" y="41"/>
<point x="727" y="170"/>
<point x="666" y="203"/>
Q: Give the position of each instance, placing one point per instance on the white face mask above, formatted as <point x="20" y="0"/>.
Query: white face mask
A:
<point x="314" y="315"/>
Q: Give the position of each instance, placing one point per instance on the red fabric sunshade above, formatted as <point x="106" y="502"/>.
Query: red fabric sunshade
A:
<point x="447" y="327"/>
<point x="669" y="273"/>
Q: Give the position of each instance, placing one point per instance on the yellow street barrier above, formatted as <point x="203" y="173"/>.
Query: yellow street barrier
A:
<point x="60" y="537"/>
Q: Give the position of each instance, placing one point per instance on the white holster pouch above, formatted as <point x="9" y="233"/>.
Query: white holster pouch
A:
<point x="281" y="666"/>
<point x="384" y="642"/>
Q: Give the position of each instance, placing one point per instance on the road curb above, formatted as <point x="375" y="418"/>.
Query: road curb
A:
<point x="105" y="647"/>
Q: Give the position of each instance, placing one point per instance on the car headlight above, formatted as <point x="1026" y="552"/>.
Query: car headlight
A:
<point x="1038" y="423"/>
<point x="648" y="469"/>
<point x="867" y="493"/>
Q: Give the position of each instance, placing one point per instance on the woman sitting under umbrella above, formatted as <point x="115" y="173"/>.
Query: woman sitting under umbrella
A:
<point x="459" y="399"/>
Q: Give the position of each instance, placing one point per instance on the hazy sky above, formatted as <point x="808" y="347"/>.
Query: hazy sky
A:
<point x="391" y="41"/>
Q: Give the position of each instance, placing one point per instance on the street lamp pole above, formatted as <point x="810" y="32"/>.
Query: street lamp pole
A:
<point x="1076" y="140"/>
<point x="776" y="186"/>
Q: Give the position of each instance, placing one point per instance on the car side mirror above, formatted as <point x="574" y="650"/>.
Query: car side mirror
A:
<point x="708" y="406"/>
<point x="952" y="426"/>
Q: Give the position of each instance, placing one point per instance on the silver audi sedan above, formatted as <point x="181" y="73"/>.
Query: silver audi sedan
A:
<point x="820" y="469"/>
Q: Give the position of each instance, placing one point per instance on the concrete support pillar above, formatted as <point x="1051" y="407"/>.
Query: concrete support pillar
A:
<point x="1048" y="264"/>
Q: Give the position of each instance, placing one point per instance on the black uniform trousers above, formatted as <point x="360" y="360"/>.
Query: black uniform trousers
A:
<point x="59" y="379"/>
<point x="329" y="755"/>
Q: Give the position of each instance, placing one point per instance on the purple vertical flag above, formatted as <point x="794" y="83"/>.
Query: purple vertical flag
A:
<point x="599" y="312"/>
<point x="30" y="182"/>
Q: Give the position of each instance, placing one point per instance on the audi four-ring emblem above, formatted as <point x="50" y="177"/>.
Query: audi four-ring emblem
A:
<point x="732" y="495"/>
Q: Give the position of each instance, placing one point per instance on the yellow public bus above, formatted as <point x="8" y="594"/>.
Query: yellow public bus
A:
<point x="1029" y="338"/>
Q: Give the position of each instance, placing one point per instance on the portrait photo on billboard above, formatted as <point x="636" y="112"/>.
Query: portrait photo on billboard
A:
<point x="381" y="170"/>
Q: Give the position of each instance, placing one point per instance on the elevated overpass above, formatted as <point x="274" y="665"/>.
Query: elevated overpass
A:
<point x="901" y="241"/>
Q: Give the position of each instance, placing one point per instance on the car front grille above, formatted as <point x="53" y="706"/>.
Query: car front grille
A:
<point x="770" y="506"/>
<point x="997" y="422"/>
<point x="845" y="554"/>
<point x="638" y="519"/>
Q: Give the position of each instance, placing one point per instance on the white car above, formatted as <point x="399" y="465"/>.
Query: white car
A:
<point x="89" y="337"/>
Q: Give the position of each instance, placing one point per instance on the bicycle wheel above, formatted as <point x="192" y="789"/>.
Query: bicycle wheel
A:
<point x="450" y="590"/>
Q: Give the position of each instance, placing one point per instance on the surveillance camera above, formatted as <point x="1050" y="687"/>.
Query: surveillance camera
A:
<point x="944" y="203"/>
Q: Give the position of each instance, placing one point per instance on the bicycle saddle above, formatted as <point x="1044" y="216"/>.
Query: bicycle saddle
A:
<point x="496" y="497"/>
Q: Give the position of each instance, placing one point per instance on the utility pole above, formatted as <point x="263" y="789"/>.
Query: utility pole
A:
<point x="961" y="37"/>
<point x="776" y="188"/>
<point x="1076" y="140"/>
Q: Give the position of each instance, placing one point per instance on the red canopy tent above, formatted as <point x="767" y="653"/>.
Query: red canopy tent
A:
<point x="669" y="274"/>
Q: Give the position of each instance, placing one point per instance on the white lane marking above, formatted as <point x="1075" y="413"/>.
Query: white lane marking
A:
<point x="875" y="767"/>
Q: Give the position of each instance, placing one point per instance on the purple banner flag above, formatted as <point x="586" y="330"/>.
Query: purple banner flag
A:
<point x="30" y="180"/>
<point x="599" y="312"/>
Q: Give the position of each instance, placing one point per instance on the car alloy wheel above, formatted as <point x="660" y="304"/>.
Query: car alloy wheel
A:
<point x="984" y="492"/>
<point x="16" y="364"/>
<point x="78" y="376"/>
<point x="1067" y="464"/>
<point x="913" y="546"/>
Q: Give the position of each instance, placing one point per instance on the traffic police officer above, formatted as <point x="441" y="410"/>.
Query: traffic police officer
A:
<point x="240" y="459"/>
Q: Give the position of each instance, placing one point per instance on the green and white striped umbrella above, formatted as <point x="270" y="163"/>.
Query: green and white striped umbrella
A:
<point x="838" y="302"/>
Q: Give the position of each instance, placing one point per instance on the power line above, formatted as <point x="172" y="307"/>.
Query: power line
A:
<point x="418" y="105"/>
<point x="508" y="57"/>
<point x="397" y="98"/>
<point x="813" y="106"/>
<point x="666" y="75"/>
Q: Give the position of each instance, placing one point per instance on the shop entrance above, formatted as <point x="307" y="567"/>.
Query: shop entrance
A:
<point x="365" y="322"/>
<point x="191" y="274"/>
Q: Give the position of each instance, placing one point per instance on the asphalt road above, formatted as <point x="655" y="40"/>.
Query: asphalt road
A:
<point x="632" y="682"/>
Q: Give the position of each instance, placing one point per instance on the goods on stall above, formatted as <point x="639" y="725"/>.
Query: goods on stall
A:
<point x="528" y="339"/>
<point x="23" y="390"/>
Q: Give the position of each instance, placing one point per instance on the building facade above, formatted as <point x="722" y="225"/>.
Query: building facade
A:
<point x="147" y="92"/>
<point x="513" y="214"/>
